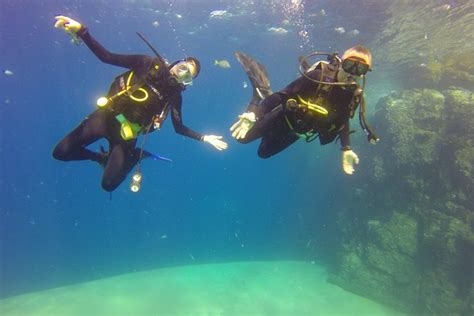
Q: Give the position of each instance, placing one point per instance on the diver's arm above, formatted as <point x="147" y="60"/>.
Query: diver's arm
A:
<point x="126" y="61"/>
<point x="177" y="120"/>
<point x="345" y="138"/>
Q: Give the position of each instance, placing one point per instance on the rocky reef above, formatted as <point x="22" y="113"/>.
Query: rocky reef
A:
<point x="407" y="237"/>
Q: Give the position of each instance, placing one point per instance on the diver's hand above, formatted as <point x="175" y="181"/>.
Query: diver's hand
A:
<point x="215" y="141"/>
<point x="349" y="158"/>
<point x="68" y="24"/>
<point x="243" y="125"/>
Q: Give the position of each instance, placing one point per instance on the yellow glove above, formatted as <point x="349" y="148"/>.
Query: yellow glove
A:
<point x="68" y="24"/>
<point x="349" y="158"/>
<point x="243" y="125"/>
<point x="215" y="141"/>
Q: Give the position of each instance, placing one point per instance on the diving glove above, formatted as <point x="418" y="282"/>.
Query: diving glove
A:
<point x="243" y="125"/>
<point x="215" y="141"/>
<point x="70" y="26"/>
<point x="349" y="158"/>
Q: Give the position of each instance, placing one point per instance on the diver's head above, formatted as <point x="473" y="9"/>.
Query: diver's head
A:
<point x="357" y="61"/>
<point x="185" y="70"/>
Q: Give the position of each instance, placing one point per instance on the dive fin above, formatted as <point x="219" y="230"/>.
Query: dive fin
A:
<point x="258" y="77"/>
<point x="146" y="154"/>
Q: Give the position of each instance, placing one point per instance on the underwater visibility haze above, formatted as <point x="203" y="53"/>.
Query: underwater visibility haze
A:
<point x="226" y="232"/>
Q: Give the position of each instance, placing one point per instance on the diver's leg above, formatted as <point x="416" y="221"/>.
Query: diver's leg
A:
<point x="273" y="145"/>
<point x="276" y="138"/>
<point x="123" y="156"/>
<point x="73" y="146"/>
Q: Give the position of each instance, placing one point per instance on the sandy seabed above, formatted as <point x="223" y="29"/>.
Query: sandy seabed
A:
<point x="240" y="288"/>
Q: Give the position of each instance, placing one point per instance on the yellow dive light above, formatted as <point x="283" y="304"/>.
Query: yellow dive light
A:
<point x="136" y="183"/>
<point x="102" y="101"/>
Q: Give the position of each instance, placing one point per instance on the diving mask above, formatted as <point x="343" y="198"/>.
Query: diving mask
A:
<point x="355" y="66"/>
<point x="184" y="74"/>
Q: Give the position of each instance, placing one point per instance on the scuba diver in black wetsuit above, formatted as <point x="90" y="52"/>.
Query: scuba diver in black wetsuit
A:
<point x="138" y="101"/>
<point x="320" y="103"/>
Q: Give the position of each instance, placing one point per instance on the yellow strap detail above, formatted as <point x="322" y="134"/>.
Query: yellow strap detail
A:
<point x="145" y="93"/>
<point x="129" y="79"/>
<point x="313" y="107"/>
<point x="145" y="96"/>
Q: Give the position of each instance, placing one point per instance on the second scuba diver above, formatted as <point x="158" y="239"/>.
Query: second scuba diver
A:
<point x="138" y="102"/>
<point x="320" y="103"/>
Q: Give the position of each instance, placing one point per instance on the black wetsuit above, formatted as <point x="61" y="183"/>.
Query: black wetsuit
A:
<point x="280" y="126"/>
<point x="163" y="95"/>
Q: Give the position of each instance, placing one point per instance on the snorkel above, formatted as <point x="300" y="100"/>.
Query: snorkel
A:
<point x="152" y="48"/>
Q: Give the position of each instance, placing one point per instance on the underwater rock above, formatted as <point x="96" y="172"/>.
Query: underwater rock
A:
<point x="460" y="140"/>
<point x="383" y="267"/>
<point x="392" y="248"/>
<point x="460" y="108"/>
<point x="398" y="235"/>
<point x="446" y="262"/>
<point x="410" y="125"/>
<point x="408" y="238"/>
<point x="464" y="160"/>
